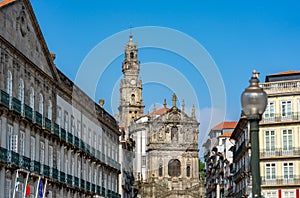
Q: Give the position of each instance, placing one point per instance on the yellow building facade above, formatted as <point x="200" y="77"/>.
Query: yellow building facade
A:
<point x="280" y="136"/>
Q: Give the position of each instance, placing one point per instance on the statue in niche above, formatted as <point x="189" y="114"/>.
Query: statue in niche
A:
<point x="174" y="133"/>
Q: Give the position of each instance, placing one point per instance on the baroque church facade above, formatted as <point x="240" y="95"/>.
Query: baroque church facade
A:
<point x="165" y="156"/>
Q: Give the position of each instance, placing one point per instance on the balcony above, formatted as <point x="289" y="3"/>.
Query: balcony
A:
<point x="239" y="174"/>
<point x="70" y="138"/>
<point x="69" y="179"/>
<point x="289" y="117"/>
<point x="237" y="153"/>
<point x="46" y="170"/>
<point x="56" y="129"/>
<point x="16" y="105"/>
<point x="82" y="184"/>
<point x="88" y="186"/>
<point x="62" y="177"/>
<point x="93" y="188"/>
<point x="63" y="134"/>
<point x="13" y="157"/>
<point x="281" y="87"/>
<point x="98" y="190"/>
<point x="39" y="118"/>
<point x="48" y="124"/>
<point x="76" y="182"/>
<point x="28" y="112"/>
<point x="280" y="152"/>
<point x="4" y="98"/>
<point x="35" y="166"/>
<point x="294" y="180"/>
<point x="103" y="190"/>
<point x="24" y="162"/>
<point x="55" y="173"/>
<point x="77" y="142"/>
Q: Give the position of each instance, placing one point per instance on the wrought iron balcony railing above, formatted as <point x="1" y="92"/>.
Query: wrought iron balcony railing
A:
<point x="291" y="116"/>
<point x="288" y="180"/>
<point x="278" y="152"/>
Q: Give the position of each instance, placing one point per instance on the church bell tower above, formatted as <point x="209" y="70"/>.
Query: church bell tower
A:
<point x="131" y="100"/>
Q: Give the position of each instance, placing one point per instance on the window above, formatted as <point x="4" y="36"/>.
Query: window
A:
<point x="288" y="170"/>
<point x="287" y="140"/>
<point x="58" y="159"/>
<point x="22" y="143"/>
<point x="188" y="171"/>
<point x="174" y="131"/>
<point x="143" y="161"/>
<point x="31" y="98"/>
<point x="8" y="188"/>
<point x="271" y="194"/>
<point x="66" y="119"/>
<point x="78" y="167"/>
<point x="131" y="55"/>
<point x="49" y="110"/>
<point x="41" y="104"/>
<point x="270" y="111"/>
<point x="9" y="137"/>
<point x="21" y="94"/>
<point x="286" y="109"/>
<point x="79" y="129"/>
<point x="289" y="194"/>
<point x="32" y="148"/>
<point x="42" y="152"/>
<point x="270" y="171"/>
<point x="58" y="116"/>
<point x="270" y="140"/>
<point x="174" y="167"/>
<point x="160" y="170"/>
<point x="51" y="156"/>
<point x="9" y="84"/>
<point x="72" y="125"/>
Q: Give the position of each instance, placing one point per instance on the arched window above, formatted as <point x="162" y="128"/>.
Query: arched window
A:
<point x="132" y="98"/>
<point x="41" y="104"/>
<point x="188" y="171"/>
<point x="31" y="98"/>
<point x="174" y="168"/>
<point x="131" y="55"/>
<point x="9" y="84"/>
<point x="21" y="94"/>
<point x="160" y="170"/>
<point x="9" y="87"/>
<point x="174" y="131"/>
<point x="49" y="110"/>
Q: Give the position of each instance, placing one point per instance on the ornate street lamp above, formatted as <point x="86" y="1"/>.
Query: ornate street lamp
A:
<point x="254" y="102"/>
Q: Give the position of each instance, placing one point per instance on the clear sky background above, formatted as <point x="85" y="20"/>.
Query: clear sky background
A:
<point x="239" y="35"/>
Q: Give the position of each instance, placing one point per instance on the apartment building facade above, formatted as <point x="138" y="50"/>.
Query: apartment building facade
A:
<point x="218" y="159"/>
<point x="55" y="141"/>
<point x="280" y="136"/>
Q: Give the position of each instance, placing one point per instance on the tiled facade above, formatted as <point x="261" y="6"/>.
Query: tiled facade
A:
<point x="47" y="134"/>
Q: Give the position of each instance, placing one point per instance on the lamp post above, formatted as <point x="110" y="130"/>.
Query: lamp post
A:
<point x="254" y="102"/>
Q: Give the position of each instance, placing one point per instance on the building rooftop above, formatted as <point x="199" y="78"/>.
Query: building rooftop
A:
<point x="282" y="76"/>
<point x="5" y="2"/>
<point x="225" y="125"/>
<point x="226" y="134"/>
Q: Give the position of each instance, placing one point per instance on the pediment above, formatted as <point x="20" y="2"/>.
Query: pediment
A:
<point x="19" y="27"/>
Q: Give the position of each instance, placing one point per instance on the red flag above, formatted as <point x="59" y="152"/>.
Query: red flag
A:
<point x="27" y="188"/>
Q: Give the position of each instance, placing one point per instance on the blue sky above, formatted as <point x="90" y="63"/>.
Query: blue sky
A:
<point x="239" y="36"/>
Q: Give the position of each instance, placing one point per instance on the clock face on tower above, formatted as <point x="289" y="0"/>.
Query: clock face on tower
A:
<point x="132" y="82"/>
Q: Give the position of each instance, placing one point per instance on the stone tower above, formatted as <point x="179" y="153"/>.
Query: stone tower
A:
<point x="131" y="100"/>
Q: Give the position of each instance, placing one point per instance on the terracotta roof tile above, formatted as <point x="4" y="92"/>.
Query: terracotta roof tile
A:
<point x="226" y="134"/>
<point x="225" y="125"/>
<point x="286" y="73"/>
<point x="159" y="111"/>
<point x="5" y="2"/>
